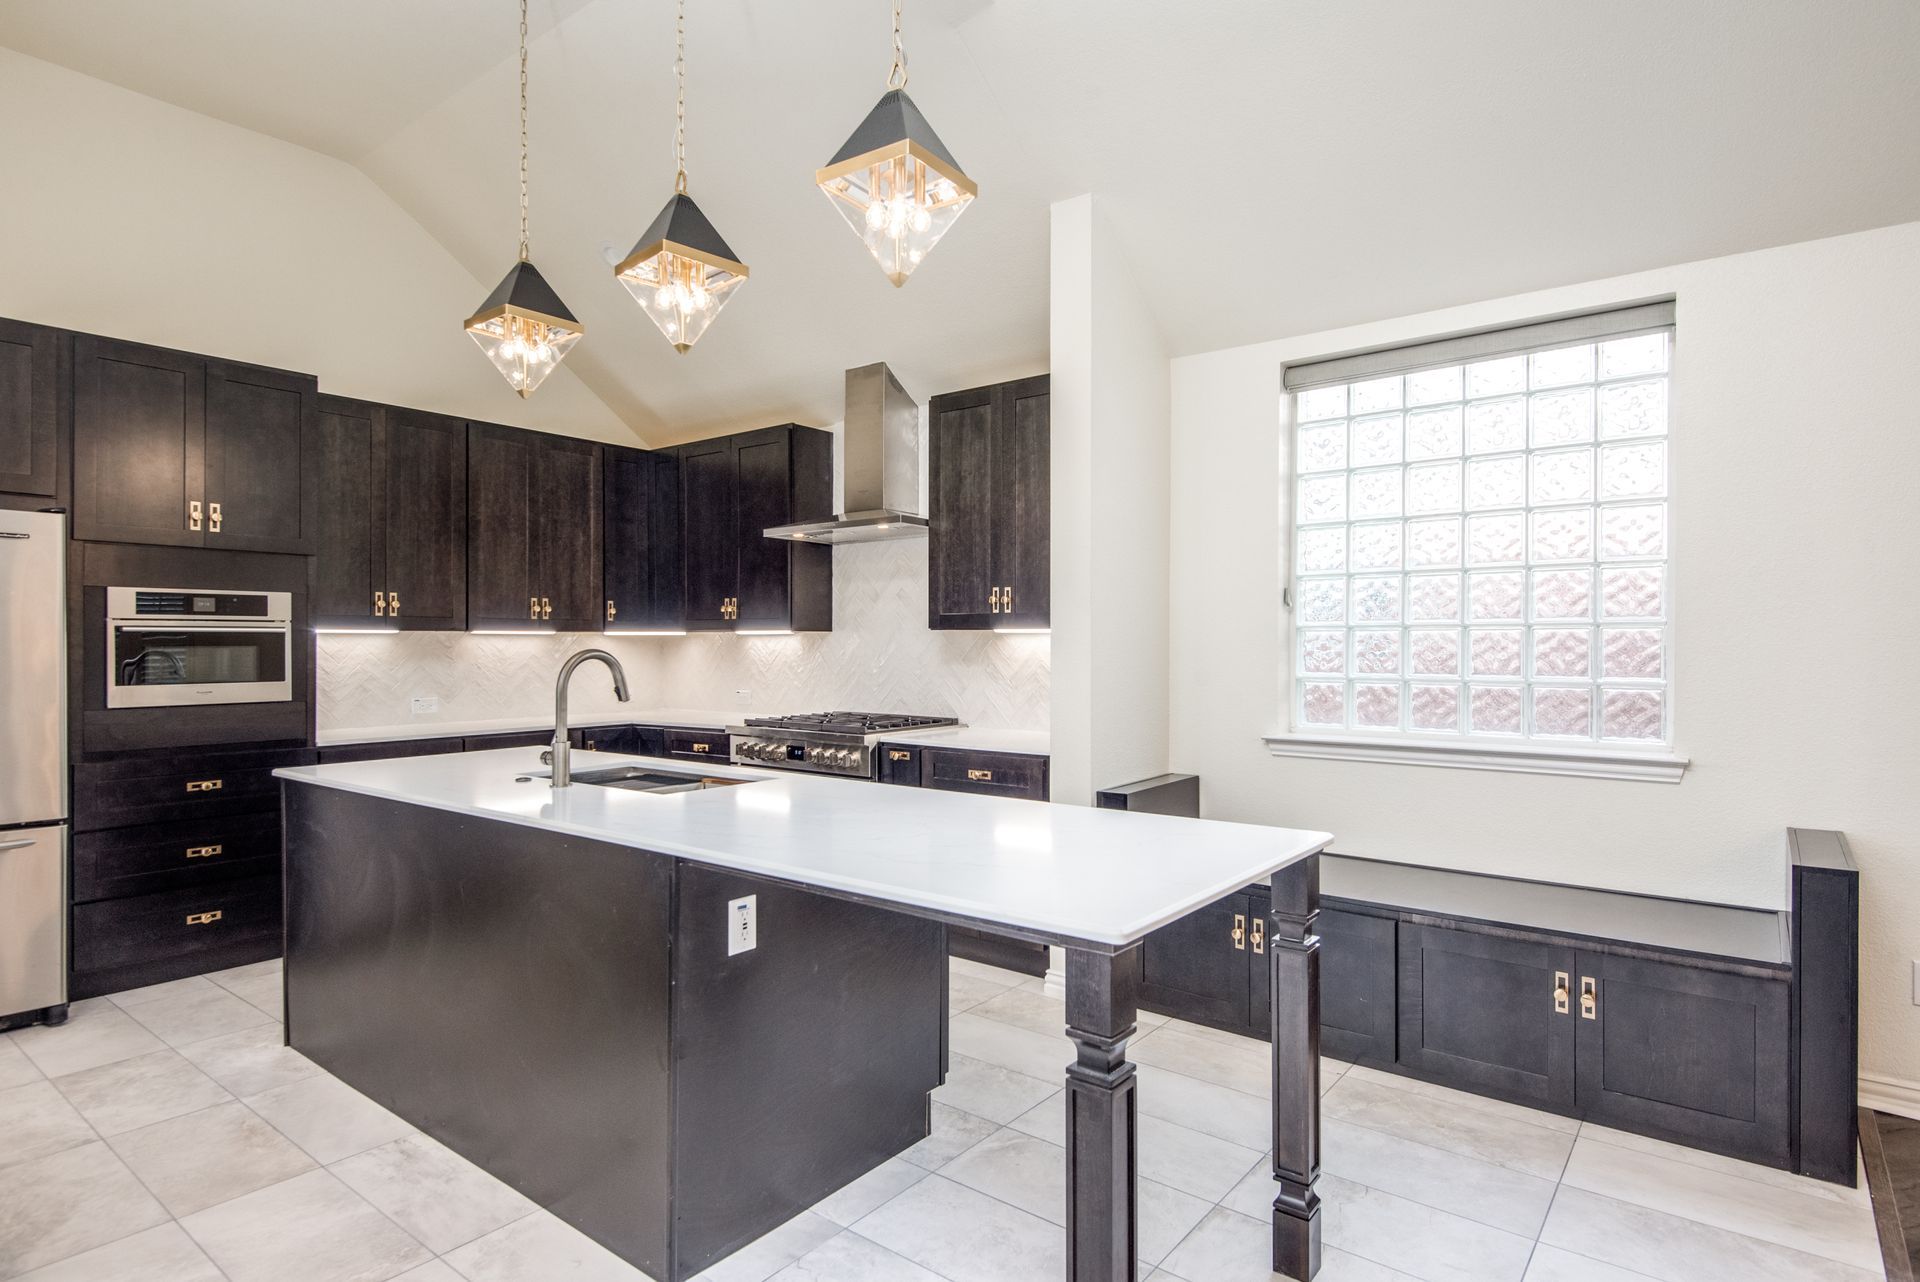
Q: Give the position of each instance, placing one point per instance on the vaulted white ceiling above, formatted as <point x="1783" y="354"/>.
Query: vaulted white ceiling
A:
<point x="1271" y="167"/>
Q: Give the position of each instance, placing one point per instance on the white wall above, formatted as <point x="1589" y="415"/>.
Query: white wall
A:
<point x="1796" y="642"/>
<point x="134" y="219"/>
<point x="1109" y="416"/>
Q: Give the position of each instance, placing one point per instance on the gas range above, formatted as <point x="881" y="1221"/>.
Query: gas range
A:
<point x="834" y="743"/>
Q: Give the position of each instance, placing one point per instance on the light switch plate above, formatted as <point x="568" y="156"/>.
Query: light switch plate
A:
<point x="743" y="698"/>
<point x="743" y="926"/>
<point x="425" y="703"/>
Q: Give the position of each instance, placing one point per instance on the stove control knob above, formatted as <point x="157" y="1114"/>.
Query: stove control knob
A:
<point x="754" y="750"/>
<point x="813" y="755"/>
<point x="846" y="757"/>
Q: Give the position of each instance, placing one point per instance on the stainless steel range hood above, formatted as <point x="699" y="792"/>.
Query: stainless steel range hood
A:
<point x="879" y="466"/>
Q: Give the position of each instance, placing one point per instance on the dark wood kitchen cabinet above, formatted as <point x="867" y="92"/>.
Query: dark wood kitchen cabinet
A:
<point x="173" y="449"/>
<point x="643" y="567"/>
<point x="733" y="488"/>
<point x="392" y="527"/>
<point x="30" y="407"/>
<point x="989" y="535"/>
<point x="533" y="530"/>
<point x="1203" y="964"/>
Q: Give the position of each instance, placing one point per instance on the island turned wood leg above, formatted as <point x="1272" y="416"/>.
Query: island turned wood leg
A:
<point x="1102" y="1209"/>
<point x="1293" y="955"/>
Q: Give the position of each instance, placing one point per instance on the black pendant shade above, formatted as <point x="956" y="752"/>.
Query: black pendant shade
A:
<point x="894" y="120"/>
<point x="681" y="271"/>
<point x="524" y="328"/>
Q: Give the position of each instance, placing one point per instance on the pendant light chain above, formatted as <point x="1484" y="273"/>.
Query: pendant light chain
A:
<point x="680" y="98"/>
<point x="897" y="77"/>
<point x="524" y="243"/>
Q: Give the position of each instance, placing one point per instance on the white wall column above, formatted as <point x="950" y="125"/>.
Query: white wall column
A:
<point x="1111" y="460"/>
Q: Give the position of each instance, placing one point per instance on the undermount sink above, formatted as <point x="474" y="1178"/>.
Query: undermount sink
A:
<point x="647" y="779"/>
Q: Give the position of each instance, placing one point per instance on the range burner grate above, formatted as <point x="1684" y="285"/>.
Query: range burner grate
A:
<point x="849" y="722"/>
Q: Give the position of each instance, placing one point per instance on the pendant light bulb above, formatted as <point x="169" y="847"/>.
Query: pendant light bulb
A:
<point x="523" y="327"/>
<point x="681" y="271"/>
<point x="894" y="181"/>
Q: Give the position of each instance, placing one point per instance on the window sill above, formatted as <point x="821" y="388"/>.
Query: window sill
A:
<point x="1655" y="766"/>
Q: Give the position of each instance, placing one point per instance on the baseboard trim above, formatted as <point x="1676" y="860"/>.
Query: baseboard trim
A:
<point x="1890" y="1095"/>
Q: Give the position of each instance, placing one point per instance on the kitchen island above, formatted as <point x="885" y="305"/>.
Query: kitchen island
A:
<point x="675" y="1018"/>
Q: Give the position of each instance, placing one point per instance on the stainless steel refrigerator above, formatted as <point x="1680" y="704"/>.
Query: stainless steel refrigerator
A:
<point x="33" y="768"/>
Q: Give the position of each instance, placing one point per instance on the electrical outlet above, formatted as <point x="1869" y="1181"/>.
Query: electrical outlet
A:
<point x="743" y="698"/>
<point x="743" y="928"/>
<point x="425" y="703"/>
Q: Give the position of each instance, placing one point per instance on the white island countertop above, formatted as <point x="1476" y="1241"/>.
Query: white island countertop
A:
<point x="1071" y="873"/>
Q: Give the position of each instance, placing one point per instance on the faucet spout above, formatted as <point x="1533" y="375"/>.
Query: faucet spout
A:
<point x="562" y="746"/>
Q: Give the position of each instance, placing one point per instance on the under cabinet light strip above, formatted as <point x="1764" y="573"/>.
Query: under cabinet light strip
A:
<point x="512" y="632"/>
<point x="763" y="632"/>
<point x="368" y="632"/>
<point x="644" y="632"/>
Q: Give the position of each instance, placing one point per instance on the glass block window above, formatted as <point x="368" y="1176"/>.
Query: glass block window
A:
<point x="1480" y="547"/>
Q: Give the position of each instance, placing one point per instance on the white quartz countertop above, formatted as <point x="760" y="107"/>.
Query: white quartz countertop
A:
<point x="977" y="739"/>
<point x="693" y="718"/>
<point x="1070" y="872"/>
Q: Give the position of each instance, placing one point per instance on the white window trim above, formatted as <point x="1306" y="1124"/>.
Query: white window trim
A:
<point x="1532" y="758"/>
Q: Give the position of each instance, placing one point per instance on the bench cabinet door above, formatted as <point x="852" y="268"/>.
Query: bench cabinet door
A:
<point x="1477" y="1011"/>
<point x="1197" y="967"/>
<point x="1357" y="978"/>
<point x="1696" y="1056"/>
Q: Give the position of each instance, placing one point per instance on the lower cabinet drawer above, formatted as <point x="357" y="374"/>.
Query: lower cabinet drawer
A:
<point x="517" y="739"/>
<point x="390" y="750"/>
<point x="192" y="852"/>
<point x="620" y="739"/>
<point x="158" y="787"/>
<point x="899" y="765"/>
<point x="175" y="923"/>
<point x="699" y="745"/>
<point x="993" y="774"/>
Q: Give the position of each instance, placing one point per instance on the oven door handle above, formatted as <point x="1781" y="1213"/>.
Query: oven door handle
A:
<point x="198" y="625"/>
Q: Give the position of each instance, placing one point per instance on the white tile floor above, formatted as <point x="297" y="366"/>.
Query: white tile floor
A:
<point x="165" y="1135"/>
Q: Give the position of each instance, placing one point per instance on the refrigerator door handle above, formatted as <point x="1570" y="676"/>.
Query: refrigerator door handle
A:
<point x="17" y="845"/>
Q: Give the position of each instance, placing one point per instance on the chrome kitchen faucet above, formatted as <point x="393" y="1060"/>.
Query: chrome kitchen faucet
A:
<point x="562" y="767"/>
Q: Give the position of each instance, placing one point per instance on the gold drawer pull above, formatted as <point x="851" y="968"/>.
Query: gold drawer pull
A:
<point x="899" y="754"/>
<point x="203" y="919"/>
<point x="1559" y="992"/>
<point x="1259" y="934"/>
<point x="703" y="747"/>
<point x="980" y="776"/>
<point x="203" y="852"/>
<point x="1239" y="931"/>
<point x="204" y="785"/>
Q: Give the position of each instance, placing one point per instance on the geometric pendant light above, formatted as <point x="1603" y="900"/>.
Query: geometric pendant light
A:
<point x="523" y="327"/>
<point x="894" y="181"/>
<point x="681" y="271"/>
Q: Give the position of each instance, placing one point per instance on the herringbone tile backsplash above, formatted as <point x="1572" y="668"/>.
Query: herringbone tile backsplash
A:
<point x="880" y="657"/>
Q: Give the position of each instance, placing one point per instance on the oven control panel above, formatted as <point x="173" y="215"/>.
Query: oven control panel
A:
<point x="856" y="759"/>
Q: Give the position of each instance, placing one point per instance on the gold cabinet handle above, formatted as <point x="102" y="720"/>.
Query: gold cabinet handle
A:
<point x="204" y="919"/>
<point x="702" y="747"/>
<point x="1259" y="933"/>
<point x="980" y="776"/>
<point x="1559" y="992"/>
<point x="1006" y="600"/>
<point x="393" y="605"/>
<point x="610" y="611"/>
<point x="546" y="608"/>
<point x="993" y="601"/>
<point x="213" y="517"/>
<point x="1589" y="998"/>
<point x="379" y="605"/>
<point x="203" y="852"/>
<point x="204" y="785"/>
<point x="1239" y="932"/>
<point x="193" y="515"/>
<point x="533" y="607"/>
<point x="899" y="754"/>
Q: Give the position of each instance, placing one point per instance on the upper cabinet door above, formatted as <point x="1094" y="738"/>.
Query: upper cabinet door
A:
<point x="138" y="435"/>
<point x="707" y="501"/>
<point x="345" y="577"/>
<point x="1022" y="502"/>
<point x="626" y="479"/>
<point x="500" y="570"/>
<point x="566" y="533"/>
<point x="644" y="579"/>
<point x="960" y="528"/>
<point x="763" y="474"/>
<point x="421" y="525"/>
<point x="29" y="407"/>
<point x="261" y="469"/>
<point x="989" y="533"/>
